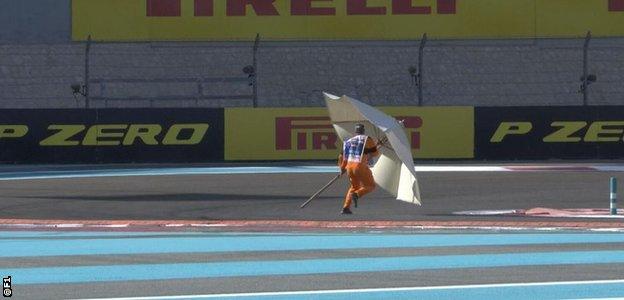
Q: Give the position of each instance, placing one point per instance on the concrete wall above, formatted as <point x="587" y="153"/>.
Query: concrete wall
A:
<point x="38" y="63"/>
<point x="490" y="73"/>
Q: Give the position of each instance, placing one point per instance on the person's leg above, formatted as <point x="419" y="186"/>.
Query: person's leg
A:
<point x="366" y="182"/>
<point x="355" y="185"/>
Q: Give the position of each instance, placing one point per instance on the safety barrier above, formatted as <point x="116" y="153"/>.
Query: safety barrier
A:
<point x="111" y="135"/>
<point x="566" y="132"/>
<point x="184" y="135"/>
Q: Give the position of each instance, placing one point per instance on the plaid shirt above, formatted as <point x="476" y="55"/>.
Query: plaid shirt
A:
<point x="354" y="148"/>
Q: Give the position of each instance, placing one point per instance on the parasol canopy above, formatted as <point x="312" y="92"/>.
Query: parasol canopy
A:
<point x="394" y="170"/>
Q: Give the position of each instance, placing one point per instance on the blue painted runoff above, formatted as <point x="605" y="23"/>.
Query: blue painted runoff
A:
<point x="45" y="275"/>
<point x="145" y="245"/>
<point x="23" y="175"/>
<point x="545" y="292"/>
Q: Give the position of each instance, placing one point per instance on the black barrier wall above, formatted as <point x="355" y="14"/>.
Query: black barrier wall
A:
<point x="111" y="135"/>
<point x="197" y="135"/>
<point x="515" y="133"/>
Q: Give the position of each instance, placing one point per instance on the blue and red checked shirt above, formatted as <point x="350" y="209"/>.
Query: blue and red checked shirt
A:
<point x="355" y="150"/>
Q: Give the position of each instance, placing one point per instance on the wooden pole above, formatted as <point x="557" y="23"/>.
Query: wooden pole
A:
<point x="321" y="190"/>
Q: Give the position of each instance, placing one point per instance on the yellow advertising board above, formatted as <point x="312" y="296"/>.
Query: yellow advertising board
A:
<point x="233" y="20"/>
<point x="307" y="133"/>
<point x="564" y="18"/>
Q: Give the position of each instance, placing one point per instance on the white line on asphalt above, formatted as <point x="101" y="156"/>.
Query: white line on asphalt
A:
<point x="347" y="291"/>
<point x="87" y="173"/>
<point x="418" y="227"/>
<point x="618" y="298"/>
<point x="570" y="214"/>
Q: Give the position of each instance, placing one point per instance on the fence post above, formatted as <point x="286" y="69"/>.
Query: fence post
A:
<point x="585" y="72"/>
<point x="613" y="196"/>
<point x="86" y="75"/>
<point x="419" y="77"/>
<point x="255" y="70"/>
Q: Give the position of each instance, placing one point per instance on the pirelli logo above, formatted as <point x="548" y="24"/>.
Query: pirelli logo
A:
<point x="317" y="133"/>
<point x="298" y="130"/>
<point x="616" y="5"/>
<point x="205" y="8"/>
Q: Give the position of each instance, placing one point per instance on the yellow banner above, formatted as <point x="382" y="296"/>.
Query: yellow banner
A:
<point x="306" y="133"/>
<point x="231" y="20"/>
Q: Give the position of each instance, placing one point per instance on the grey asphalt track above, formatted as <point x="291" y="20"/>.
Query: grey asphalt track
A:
<point x="324" y="282"/>
<point x="278" y="196"/>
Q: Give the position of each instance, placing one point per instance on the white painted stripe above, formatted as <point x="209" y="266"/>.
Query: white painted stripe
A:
<point x="620" y="214"/>
<point x="619" y="298"/>
<point x="86" y="173"/>
<point x="210" y="225"/>
<point x="613" y="195"/>
<point x="610" y="168"/>
<point x="371" y="290"/>
<point x="419" y="227"/>
<point x="461" y="169"/>
<point x="486" y="212"/>
<point x="109" y="225"/>
<point x="607" y="230"/>
<point x="70" y="225"/>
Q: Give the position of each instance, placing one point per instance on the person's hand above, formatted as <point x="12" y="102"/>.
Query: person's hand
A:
<point x="342" y="171"/>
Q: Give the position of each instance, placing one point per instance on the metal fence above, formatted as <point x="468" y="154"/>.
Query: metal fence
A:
<point x="425" y="72"/>
<point x="122" y="87"/>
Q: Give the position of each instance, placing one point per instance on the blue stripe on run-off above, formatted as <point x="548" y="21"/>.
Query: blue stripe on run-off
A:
<point x="299" y="267"/>
<point x="510" y="293"/>
<point x="22" y="175"/>
<point x="581" y="290"/>
<point x="129" y="245"/>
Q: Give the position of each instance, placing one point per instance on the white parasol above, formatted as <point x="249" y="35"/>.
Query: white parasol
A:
<point x="394" y="170"/>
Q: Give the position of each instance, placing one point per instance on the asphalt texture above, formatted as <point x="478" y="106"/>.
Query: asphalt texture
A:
<point x="278" y="196"/>
<point x="323" y="282"/>
<point x="307" y="282"/>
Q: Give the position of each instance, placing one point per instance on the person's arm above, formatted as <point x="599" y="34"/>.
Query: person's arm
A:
<point x="342" y="162"/>
<point x="371" y="147"/>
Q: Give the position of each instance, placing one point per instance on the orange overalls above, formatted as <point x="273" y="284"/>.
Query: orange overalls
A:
<point x="354" y="159"/>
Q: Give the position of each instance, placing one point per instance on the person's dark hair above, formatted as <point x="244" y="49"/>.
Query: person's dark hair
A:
<point x="359" y="128"/>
